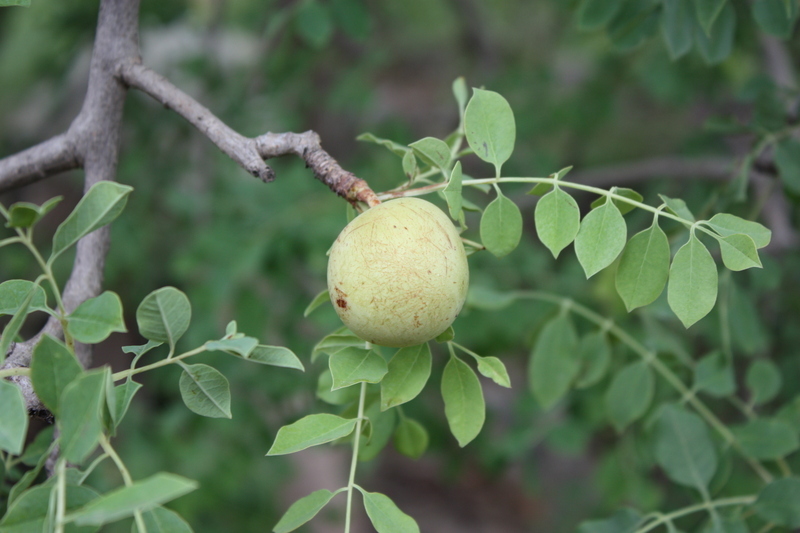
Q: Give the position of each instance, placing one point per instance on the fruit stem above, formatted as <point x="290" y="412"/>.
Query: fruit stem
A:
<point x="354" y="460"/>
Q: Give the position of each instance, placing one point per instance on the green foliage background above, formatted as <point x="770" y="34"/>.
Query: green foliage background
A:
<point x="256" y="253"/>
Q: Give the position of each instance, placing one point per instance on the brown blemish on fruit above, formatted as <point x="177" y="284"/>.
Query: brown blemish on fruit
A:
<point x="341" y="302"/>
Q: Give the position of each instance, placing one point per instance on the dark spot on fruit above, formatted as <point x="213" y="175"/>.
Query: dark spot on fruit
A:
<point x="429" y="271"/>
<point x="339" y="292"/>
<point x="341" y="302"/>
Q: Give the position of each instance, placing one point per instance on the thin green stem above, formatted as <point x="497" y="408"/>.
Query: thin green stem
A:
<point x="354" y="461"/>
<point x="651" y="358"/>
<point x="61" y="495"/>
<point x="10" y="240"/>
<point x="126" y="477"/>
<point x="705" y="506"/>
<point x="18" y="371"/>
<point x="164" y="362"/>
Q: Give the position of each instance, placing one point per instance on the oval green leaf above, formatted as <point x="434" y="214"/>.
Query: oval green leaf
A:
<point x="408" y="372"/>
<point x="558" y="219"/>
<point x="630" y="394"/>
<point x="164" y="315"/>
<point x="164" y="521"/>
<point x="684" y="448"/>
<point x="501" y="226"/>
<point x="303" y="510"/>
<point x="739" y="252"/>
<point x="726" y="224"/>
<point x="205" y="391"/>
<point x="766" y="439"/>
<point x="763" y="380"/>
<point x="140" y="496"/>
<point x="490" y="128"/>
<point x="410" y="438"/>
<point x="779" y="502"/>
<point x="14" y="292"/>
<point x="81" y="407"/>
<point x="554" y="362"/>
<point x="385" y="516"/>
<point x="53" y="367"/>
<point x="275" y="356"/>
<point x="601" y="238"/>
<point x="99" y="206"/>
<point x="355" y="365"/>
<point x="96" y="318"/>
<point x="13" y="418"/>
<point x="434" y="152"/>
<point x="692" y="289"/>
<point x="643" y="268"/>
<point x="311" y="430"/>
<point x="464" y="406"/>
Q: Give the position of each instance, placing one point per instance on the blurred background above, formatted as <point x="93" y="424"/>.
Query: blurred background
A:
<point x="592" y="98"/>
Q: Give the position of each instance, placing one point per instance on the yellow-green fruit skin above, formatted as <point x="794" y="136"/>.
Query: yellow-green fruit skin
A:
<point x="398" y="273"/>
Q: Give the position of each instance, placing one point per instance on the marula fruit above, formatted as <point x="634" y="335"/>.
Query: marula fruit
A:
<point x="398" y="274"/>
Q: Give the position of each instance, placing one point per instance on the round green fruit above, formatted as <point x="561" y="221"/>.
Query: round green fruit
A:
<point x="398" y="274"/>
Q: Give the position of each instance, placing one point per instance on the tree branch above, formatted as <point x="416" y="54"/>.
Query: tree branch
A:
<point x="248" y="153"/>
<point x="52" y="156"/>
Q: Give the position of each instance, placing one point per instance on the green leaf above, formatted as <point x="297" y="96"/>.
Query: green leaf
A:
<point x="779" y="502"/>
<point x="692" y="289"/>
<point x="344" y="396"/>
<point x="26" y="215"/>
<point x="787" y="159"/>
<point x="353" y="365"/>
<point x="463" y="401"/>
<point x="313" y="23"/>
<point x="30" y="512"/>
<point x="634" y="23"/>
<point x="624" y="207"/>
<point x="684" y="448"/>
<point x="334" y="342"/>
<point x="623" y="521"/>
<point x="139" y="350"/>
<point x="408" y="372"/>
<point x="40" y="445"/>
<point x="677" y="207"/>
<point x="763" y="381"/>
<point x="385" y="516"/>
<point x="558" y="219"/>
<point x="13" y="418"/>
<point x="717" y="45"/>
<point x="630" y="394"/>
<point x="452" y="193"/>
<point x="434" y="152"/>
<point x="162" y="520"/>
<point x="238" y="346"/>
<point x="205" y="391"/>
<point x="501" y="226"/>
<point x="14" y="325"/>
<point x="53" y="367"/>
<point x="303" y="510"/>
<point x="99" y="206"/>
<point x="275" y="356"/>
<point x="447" y="335"/>
<point x="727" y="225"/>
<point x="739" y="252"/>
<point x="81" y="407"/>
<point x="595" y="14"/>
<point x="164" y="315"/>
<point x="96" y="318"/>
<point x="600" y="239"/>
<point x="318" y="300"/>
<point x="123" y="395"/>
<point x="125" y="501"/>
<point x="776" y="17"/>
<point x="410" y="165"/>
<point x="396" y="148"/>
<point x="676" y="27"/>
<point x="461" y="94"/>
<point x="554" y="362"/>
<point x="643" y="268"/>
<point x="766" y="439"/>
<point x="410" y="438"/>
<point x="311" y="430"/>
<point x="714" y="376"/>
<point x="494" y="369"/>
<point x="490" y="128"/>
<point x="14" y="292"/>
<point x="707" y="12"/>
<point x="594" y="356"/>
<point x="382" y="426"/>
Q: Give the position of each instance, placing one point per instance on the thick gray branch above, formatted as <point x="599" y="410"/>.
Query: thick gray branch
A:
<point x="52" y="156"/>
